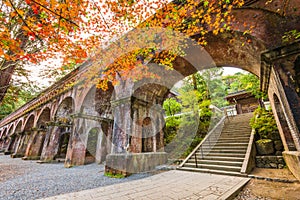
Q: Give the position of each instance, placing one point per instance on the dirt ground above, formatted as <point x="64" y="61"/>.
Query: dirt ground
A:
<point x="254" y="190"/>
<point x="8" y="171"/>
<point x="265" y="190"/>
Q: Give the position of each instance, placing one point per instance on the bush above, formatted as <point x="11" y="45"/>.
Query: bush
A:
<point x="172" y="125"/>
<point x="179" y="129"/>
<point x="264" y="124"/>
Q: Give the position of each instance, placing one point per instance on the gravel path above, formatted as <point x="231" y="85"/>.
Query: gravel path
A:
<point x="29" y="180"/>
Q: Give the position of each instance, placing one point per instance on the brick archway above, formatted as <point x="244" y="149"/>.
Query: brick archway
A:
<point x="36" y="142"/>
<point x="16" y="136"/>
<point x="92" y="145"/>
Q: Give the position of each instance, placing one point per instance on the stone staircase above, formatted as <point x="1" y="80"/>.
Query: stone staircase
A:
<point x="227" y="154"/>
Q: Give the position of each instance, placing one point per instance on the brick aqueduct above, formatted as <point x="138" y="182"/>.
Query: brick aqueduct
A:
<point x="60" y="122"/>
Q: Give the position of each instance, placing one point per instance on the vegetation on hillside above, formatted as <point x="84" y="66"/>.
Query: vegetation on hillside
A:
<point x="191" y="112"/>
<point x="243" y="81"/>
<point x="17" y="95"/>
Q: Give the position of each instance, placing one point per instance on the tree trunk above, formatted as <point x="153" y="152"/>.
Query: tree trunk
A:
<point x="5" y="78"/>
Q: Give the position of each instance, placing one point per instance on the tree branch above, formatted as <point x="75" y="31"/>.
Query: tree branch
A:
<point x="21" y="17"/>
<point x="70" y="21"/>
<point x="101" y="15"/>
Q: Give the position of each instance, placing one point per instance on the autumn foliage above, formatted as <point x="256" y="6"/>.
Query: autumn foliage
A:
<point x="74" y="30"/>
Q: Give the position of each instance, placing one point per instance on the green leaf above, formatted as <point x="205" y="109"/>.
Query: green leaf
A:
<point x="205" y="3"/>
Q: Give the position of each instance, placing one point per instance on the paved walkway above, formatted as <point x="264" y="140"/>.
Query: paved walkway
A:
<point x="168" y="185"/>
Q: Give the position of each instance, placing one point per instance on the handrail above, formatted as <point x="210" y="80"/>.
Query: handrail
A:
<point x="250" y="149"/>
<point x="249" y="153"/>
<point x="215" y="132"/>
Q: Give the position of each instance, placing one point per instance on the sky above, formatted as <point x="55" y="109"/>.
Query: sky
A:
<point x="231" y="70"/>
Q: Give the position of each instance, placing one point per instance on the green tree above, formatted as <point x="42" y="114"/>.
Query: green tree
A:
<point x="243" y="81"/>
<point x="209" y="84"/>
<point x="215" y="85"/>
<point x="171" y="107"/>
<point x="17" y="95"/>
<point x="195" y="107"/>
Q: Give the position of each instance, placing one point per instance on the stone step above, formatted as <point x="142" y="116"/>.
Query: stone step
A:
<point x="239" y="123"/>
<point x="228" y="151"/>
<point x="234" y="130"/>
<point x="217" y="148"/>
<point x="246" y="132"/>
<point x="225" y="141"/>
<point x="233" y="126"/>
<point x="231" y="139"/>
<point x="228" y="127"/>
<point x="221" y="172"/>
<point x="234" y="159"/>
<point x="214" y="167"/>
<point x="238" y="119"/>
<point x="230" y="147"/>
<point x="241" y="120"/>
<point x="224" y="145"/>
<point x="217" y="162"/>
<point x="224" y="155"/>
<point x="237" y="155"/>
<point x="243" y="133"/>
<point x="234" y="138"/>
<point x="237" y="143"/>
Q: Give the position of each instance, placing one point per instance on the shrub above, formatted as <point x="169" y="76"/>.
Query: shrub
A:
<point x="264" y="124"/>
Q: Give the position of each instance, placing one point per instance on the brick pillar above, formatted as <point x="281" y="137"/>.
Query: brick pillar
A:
<point x="9" y="149"/>
<point x="160" y="135"/>
<point x="105" y="140"/>
<point x="76" y="149"/>
<point x="51" y="143"/>
<point x="31" y="143"/>
<point x="136" y="136"/>
<point x="23" y="142"/>
<point x="13" y="146"/>
<point x="34" y="148"/>
<point x="122" y="124"/>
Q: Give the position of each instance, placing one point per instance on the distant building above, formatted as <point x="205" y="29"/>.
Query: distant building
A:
<point x="243" y="102"/>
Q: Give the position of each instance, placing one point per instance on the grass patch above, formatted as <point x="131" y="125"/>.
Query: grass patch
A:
<point x="110" y="175"/>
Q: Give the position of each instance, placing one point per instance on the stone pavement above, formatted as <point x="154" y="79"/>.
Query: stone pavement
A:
<point x="167" y="185"/>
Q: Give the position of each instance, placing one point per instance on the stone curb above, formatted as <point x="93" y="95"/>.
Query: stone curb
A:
<point x="273" y="179"/>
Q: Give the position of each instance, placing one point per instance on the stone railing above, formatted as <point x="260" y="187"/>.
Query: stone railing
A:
<point x="207" y="143"/>
<point x="249" y="161"/>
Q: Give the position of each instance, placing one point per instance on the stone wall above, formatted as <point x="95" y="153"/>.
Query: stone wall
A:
<point x="131" y="163"/>
<point x="276" y="162"/>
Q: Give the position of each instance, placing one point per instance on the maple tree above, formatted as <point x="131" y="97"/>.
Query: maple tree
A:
<point x="74" y="30"/>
